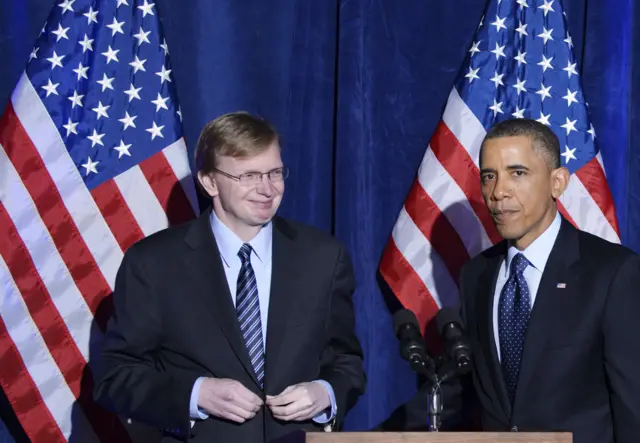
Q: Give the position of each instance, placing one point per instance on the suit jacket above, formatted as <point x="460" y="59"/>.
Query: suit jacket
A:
<point x="171" y="291"/>
<point x="580" y="369"/>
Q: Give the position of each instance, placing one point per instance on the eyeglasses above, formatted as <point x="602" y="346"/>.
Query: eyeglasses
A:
<point x="254" y="178"/>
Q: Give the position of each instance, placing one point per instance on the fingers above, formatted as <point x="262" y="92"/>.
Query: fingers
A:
<point x="289" y="395"/>
<point x="294" y="412"/>
<point x="242" y="393"/>
<point x="237" y="414"/>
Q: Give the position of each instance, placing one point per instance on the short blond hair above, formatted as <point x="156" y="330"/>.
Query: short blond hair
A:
<point x="237" y="134"/>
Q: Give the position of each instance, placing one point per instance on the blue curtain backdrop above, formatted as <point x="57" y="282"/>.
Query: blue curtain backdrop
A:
<point x="356" y="88"/>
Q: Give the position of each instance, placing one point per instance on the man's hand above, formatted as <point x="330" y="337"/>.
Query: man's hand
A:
<point x="299" y="402"/>
<point x="229" y="399"/>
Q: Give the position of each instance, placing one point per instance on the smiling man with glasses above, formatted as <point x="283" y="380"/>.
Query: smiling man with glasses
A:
<point x="238" y="326"/>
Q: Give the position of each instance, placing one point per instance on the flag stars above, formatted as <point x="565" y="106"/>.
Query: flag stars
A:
<point x="164" y="75"/>
<point x="61" y="33"/>
<point x="568" y="154"/>
<point x="519" y="113"/>
<point x="91" y="16"/>
<point x="522" y="29"/>
<point x="472" y="74"/>
<point x="66" y="5"/>
<point x="90" y="167"/>
<point x="523" y="4"/>
<point x="569" y="41"/>
<point x="520" y="58"/>
<point x="499" y="23"/>
<point x="497" y="79"/>
<point x="101" y="110"/>
<point x="520" y="86"/>
<point x="106" y="82"/>
<point x="111" y="55"/>
<point x="160" y="102"/>
<point x="570" y="97"/>
<point x="71" y="127"/>
<point x="55" y="60"/>
<point x="545" y="63"/>
<point x="122" y="149"/>
<point x="592" y="131"/>
<point x="155" y="131"/>
<point x="544" y="91"/>
<point x="570" y="69"/>
<point x="546" y="34"/>
<point x="76" y="99"/>
<point x="96" y="139"/>
<point x="165" y="47"/>
<point x="34" y="54"/>
<point x="179" y="112"/>
<point x="122" y="2"/>
<point x="475" y="47"/>
<point x="547" y="7"/>
<point x="138" y="65"/>
<point x="51" y="88"/>
<point x="496" y="108"/>
<point x="142" y="37"/>
<point x="116" y="27"/>
<point x="87" y="44"/>
<point x="570" y="125"/>
<point x="133" y="92"/>
<point x="127" y="120"/>
<point x="147" y="8"/>
<point x="499" y="51"/>
<point x="81" y="71"/>
<point x="544" y="119"/>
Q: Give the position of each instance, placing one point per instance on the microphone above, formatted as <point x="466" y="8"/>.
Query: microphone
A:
<point x="456" y="345"/>
<point x="412" y="346"/>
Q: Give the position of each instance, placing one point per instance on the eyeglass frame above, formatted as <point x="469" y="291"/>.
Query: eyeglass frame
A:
<point x="238" y="178"/>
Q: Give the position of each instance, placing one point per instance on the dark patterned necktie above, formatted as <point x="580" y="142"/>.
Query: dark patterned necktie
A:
<point x="514" y="310"/>
<point x="248" y="311"/>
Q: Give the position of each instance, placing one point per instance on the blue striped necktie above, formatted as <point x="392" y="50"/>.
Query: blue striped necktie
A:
<point x="513" y="318"/>
<point x="248" y="311"/>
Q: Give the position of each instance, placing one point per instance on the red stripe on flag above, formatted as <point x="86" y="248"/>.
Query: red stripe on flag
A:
<point x="167" y="188"/>
<point x="23" y="394"/>
<point x="436" y="228"/>
<point x="117" y="214"/>
<point x="593" y="179"/>
<point x="54" y="331"/>
<point x="54" y="214"/>
<point x="460" y="166"/>
<point x="407" y="285"/>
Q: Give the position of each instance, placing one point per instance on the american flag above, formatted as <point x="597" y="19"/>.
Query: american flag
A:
<point x="92" y="159"/>
<point x="520" y="65"/>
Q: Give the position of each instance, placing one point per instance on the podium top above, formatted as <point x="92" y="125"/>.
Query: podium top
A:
<point x="433" y="437"/>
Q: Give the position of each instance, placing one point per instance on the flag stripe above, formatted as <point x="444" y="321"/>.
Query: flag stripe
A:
<point x="425" y="260"/>
<point x="453" y="204"/>
<point x="117" y="214"/>
<point x="176" y="154"/>
<point x="437" y="229"/>
<point x="592" y="176"/>
<point x="44" y="193"/>
<point x="45" y="138"/>
<point x="406" y="284"/>
<point x="38" y="361"/>
<point x="456" y="160"/>
<point x="165" y="186"/>
<point x="141" y="200"/>
<point x="464" y="125"/>
<point x="20" y="388"/>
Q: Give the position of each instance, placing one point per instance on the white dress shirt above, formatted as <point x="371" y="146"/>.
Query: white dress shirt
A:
<point x="537" y="253"/>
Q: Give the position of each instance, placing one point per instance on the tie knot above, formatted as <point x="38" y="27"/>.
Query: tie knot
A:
<point x="519" y="264"/>
<point x="245" y="252"/>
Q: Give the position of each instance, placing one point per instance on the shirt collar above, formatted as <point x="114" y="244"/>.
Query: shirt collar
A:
<point x="539" y="250"/>
<point x="229" y="243"/>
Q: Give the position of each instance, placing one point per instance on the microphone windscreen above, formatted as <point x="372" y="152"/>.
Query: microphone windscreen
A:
<point x="446" y="316"/>
<point x="402" y="317"/>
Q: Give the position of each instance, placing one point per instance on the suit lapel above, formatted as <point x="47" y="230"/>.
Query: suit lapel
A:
<point x="205" y="260"/>
<point x="549" y="307"/>
<point x="486" y="290"/>
<point x="282" y="298"/>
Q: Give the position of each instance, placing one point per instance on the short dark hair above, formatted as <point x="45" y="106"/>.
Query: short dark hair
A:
<point x="542" y="138"/>
<point x="237" y="134"/>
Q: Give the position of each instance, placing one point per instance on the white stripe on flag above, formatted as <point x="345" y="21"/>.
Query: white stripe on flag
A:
<point x="47" y="260"/>
<point x="585" y="212"/>
<point x="38" y="361"/>
<point x="464" y="124"/>
<point x="76" y="197"/>
<point x="453" y="203"/>
<point x="141" y="200"/>
<point x="176" y="155"/>
<point x="424" y="260"/>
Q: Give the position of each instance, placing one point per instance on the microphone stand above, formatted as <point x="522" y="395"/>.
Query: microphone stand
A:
<point x="445" y="372"/>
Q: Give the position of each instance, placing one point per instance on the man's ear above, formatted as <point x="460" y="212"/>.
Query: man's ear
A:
<point x="559" y="181"/>
<point x="208" y="183"/>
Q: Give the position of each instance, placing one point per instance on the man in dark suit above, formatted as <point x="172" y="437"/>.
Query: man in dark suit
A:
<point x="238" y="326"/>
<point x="551" y="312"/>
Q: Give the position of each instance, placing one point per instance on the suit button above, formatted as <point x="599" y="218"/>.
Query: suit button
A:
<point x="514" y="429"/>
